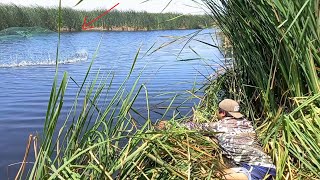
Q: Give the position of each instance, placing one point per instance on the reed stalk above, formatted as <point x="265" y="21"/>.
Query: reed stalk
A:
<point x="20" y="16"/>
<point x="277" y="76"/>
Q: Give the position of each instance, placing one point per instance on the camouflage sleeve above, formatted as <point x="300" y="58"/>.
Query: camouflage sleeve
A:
<point x="212" y="126"/>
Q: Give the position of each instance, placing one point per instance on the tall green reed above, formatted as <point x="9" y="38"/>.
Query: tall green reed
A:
<point x="276" y="65"/>
<point x="16" y="16"/>
<point x="106" y="142"/>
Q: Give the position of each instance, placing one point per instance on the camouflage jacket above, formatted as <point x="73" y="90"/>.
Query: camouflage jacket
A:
<point x="238" y="140"/>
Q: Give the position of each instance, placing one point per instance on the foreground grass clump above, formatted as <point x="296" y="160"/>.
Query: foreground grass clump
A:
<point x="276" y="75"/>
<point x="15" y="16"/>
<point x="100" y="139"/>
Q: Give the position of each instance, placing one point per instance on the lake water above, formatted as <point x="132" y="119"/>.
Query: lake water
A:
<point x="27" y="70"/>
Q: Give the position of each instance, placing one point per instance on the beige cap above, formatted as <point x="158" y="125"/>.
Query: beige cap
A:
<point x="232" y="107"/>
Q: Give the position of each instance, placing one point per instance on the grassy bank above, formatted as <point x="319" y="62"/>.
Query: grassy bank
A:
<point x="72" y="20"/>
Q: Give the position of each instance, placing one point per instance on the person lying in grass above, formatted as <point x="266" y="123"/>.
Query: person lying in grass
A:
<point x="238" y="141"/>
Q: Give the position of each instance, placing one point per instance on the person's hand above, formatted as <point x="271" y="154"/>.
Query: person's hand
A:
<point x="161" y="125"/>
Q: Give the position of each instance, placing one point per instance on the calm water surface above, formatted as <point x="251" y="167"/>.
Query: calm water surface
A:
<point x="27" y="71"/>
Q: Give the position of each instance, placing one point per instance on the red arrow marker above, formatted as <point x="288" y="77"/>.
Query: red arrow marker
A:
<point x="88" y="25"/>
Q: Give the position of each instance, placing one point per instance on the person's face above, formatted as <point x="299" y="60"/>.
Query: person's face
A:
<point x="221" y="114"/>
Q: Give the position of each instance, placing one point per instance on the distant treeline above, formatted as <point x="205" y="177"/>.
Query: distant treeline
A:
<point x="17" y="16"/>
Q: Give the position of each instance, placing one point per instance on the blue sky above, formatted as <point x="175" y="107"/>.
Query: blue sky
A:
<point x="181" y="6"/>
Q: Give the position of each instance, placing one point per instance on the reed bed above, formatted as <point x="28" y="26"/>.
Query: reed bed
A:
<point x="275" y="75"/>
<point x="72" y="20"/>
<point x="100" y="139"/>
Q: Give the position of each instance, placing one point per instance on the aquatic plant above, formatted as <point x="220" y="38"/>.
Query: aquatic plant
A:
<point x="101" y="139"/>
<point x="276" y="76"/>
<point x="16" y="16"/>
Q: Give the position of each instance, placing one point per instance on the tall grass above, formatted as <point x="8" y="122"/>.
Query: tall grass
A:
<point x="100" y="139"/>
<point x="19" y="16"/>
<point x="276" y="74"/>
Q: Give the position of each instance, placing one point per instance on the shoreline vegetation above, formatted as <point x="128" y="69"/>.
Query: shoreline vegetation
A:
<point x="72" y="20"/>
<point x="275" y="76"/>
